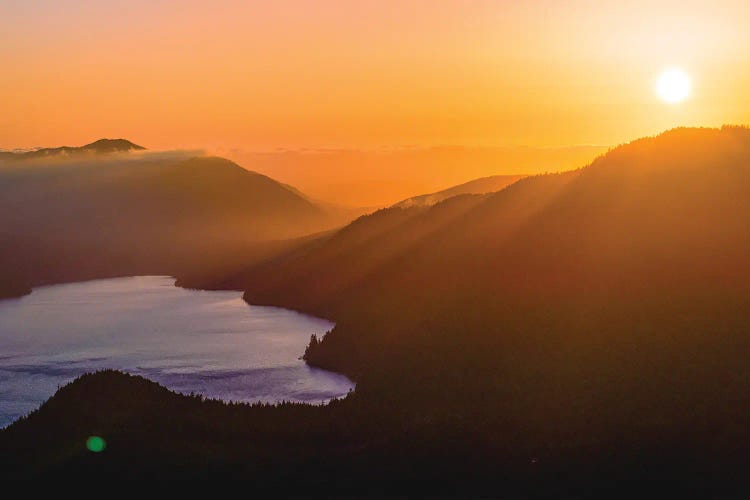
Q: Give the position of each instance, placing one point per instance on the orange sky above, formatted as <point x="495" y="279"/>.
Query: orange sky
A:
<point x="364" y="74"/>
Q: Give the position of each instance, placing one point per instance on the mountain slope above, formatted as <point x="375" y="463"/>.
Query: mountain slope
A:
<point x="659" y="224"/>
<point x="478" y="186"/>
<point x="68" y="220"/>
<point x="680" y="195"/>
<point x="322" y="270"/>
<point x="569" y="333"/>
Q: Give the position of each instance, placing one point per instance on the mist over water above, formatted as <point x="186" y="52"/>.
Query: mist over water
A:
<point x="211" y="343"/>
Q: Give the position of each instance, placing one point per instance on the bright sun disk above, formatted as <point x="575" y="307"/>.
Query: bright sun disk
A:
<point x="673" y="86"/>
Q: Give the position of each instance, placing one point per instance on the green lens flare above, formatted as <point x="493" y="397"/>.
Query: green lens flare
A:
<point x="95" y="444"/>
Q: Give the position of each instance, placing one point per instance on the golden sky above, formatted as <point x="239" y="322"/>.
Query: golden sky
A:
<point x="364" y="74"/>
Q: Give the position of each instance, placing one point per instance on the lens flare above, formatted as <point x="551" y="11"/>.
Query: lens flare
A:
<point x="96" y="444"/>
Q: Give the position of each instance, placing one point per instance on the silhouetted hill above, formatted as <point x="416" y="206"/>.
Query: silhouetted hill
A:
<point x="656" y="225"/>
<point x="137" y="408"/>
<point x="71" y="220"/>
<point x="101" y="146"/>
<point x="477" y="186"/>
<point x="357" y="253"/>
<point x="111" y="146"/>
<point x="655" y="200"/>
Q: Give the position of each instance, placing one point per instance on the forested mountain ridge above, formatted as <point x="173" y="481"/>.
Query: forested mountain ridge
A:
<point x="574" y="332"/>
<point x="619" y="215"/>
<point x="82" y="217"/>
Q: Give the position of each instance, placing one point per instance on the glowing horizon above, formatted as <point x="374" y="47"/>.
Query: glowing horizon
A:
<point x="365" y="75"/>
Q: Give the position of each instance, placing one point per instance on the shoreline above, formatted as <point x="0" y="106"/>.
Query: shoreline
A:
<point x="171" y="282"/>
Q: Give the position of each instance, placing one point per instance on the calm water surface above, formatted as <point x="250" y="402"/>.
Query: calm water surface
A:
<point x="211" y="343"/>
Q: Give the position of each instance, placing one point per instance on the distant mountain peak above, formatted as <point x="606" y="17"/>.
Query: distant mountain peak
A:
<point x="102" y="146"/>
<point x="112" y="145"/>
<point x="482" y="185"/>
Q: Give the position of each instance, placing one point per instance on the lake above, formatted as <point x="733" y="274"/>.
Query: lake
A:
<point x="207" y="342"/>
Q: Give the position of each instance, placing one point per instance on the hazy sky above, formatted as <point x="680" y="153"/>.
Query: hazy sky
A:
<point x="364" y="74"/>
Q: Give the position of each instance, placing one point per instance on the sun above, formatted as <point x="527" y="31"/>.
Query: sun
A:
<point x="673" y="86"/>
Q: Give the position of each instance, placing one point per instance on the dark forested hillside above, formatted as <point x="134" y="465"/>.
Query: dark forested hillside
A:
<point x="663" y="211"/>
<point x="573" y="301"/>
<point x="74" y="218"/>
<point x="355" y="255"/>
<point x="571" y="332"/>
